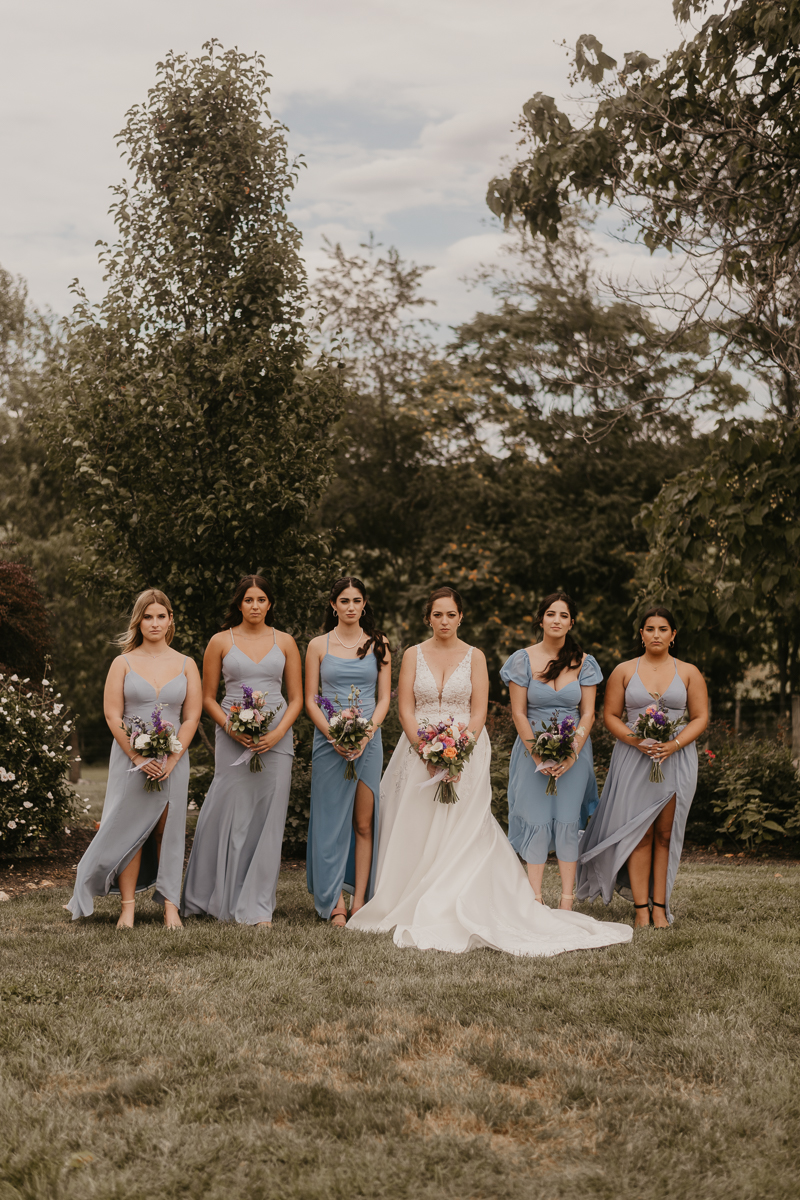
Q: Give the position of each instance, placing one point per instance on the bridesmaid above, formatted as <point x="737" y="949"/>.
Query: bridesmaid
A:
<point x="554" y="674"/>
<point x="344" y="813"/>
<point x="142" y="835"/>
<point x="636" y="836"/>
<point x="236" y="857"/>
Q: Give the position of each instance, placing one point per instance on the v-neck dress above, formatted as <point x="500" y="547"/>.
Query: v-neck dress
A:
<point x="236" y="855"/>
<point x="330" y="857"/>
<point x="538" y="823"/>
<point x="130" y="814"/>
<point x="630" y="802"/>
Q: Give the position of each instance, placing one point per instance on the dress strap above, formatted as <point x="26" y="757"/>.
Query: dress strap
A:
<point x="328" y="643"/>
<point x="636" y="672"/>
<point x="233" y="640"/>
<point x="274" y="636"/>
<point x="183" y="664"/>
<point x="127" y="660"/>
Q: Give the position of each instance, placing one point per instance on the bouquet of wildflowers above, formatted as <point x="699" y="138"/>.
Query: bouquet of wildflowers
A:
<point x="447" y="745"/>
<point x="554" y="745"/>
<point x="654" y="726"/>
<point x="250" y="717"/>
<point x="156" y="740"/>
<point x="346" y="726"/>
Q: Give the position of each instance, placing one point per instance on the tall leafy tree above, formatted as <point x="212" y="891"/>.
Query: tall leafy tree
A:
<point x="195" y="433"/>
<point x="700" y="153"/>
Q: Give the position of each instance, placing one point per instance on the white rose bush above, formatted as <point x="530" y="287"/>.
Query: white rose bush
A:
<point x="36" y="801"/>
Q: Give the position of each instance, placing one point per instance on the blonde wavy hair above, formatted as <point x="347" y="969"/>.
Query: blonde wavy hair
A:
<point x="132" y="637"/>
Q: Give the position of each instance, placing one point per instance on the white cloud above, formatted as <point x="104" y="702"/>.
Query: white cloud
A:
<point x="402" y="108"/>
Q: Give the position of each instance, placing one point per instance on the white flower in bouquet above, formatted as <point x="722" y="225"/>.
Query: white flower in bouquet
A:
<point x="247" y="714"/>
<point x="142" y="741"/>
<point x="175" y="746"/>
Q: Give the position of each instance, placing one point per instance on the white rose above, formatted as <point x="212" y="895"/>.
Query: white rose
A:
<point x="246" y="714"/>
<point x="174" y="745"/>
<point x="27" y="804"/>
<point x="12" y="824"/>
<point x="142" y="741"/>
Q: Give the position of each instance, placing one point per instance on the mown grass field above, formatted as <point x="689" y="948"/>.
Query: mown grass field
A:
<point x="240" y="1064"/>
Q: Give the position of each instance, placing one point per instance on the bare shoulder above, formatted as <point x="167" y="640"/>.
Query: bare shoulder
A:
<point x="219" y="640"/>
<point x="623" y="671"/>
<point x="688" y="672"/>
<point x="285" y="640"/>
<point x="478" y="656"/>
<point x="119" y="666"/>
<point x="316" y="644"/>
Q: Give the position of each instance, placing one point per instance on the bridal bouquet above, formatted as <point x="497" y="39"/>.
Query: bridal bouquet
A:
<point x="156" y="740"/>
<point x="346" y="726"/>
<point x="554" y="745"/>
<point x="654" y="726"/>
<point x="250" y="717"/>
<point x="448" y="746"/>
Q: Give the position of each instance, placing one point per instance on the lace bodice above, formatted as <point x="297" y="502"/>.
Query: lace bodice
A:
<point x="456" y="696"/>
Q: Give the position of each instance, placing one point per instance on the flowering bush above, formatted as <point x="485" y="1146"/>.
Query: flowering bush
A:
<point x="35" y="799"/>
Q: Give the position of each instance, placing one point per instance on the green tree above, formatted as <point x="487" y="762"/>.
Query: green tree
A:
<point x="195" y="434"/>
<point x="725" y="545"/>
<point x="700" y="155"/>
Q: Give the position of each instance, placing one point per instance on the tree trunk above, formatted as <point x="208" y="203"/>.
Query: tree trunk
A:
<point x="783" y="662"/>
<point x="796" y="730"/>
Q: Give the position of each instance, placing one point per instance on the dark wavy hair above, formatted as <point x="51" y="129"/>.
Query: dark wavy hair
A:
<point x="570" y="655"/>
<point x="439" y="594"/>
<point x="375" y="638"/>
<point x="657" y="610"/>
<point x="233" y="616"/>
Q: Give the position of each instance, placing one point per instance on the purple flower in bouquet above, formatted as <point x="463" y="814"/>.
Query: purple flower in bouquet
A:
<point x="346" y="726"/>
<point x="554" y="744"/>
<point x="251" y="717"/>
<point x="327" y="706"/>
<point x="156" y="740"/>
<point x="654" y="725"/>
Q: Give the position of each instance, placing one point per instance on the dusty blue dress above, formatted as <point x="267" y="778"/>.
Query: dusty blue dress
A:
<point x="330" y="860"/>
<point x="130" y="814"/>
<point x="236" y="856"/>
<point x="631" y="803"/>
<point x="538" y="823"/>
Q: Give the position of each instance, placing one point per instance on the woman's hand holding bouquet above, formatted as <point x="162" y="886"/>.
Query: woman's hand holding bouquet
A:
<point x="554" y="746"/>
<point x="445" y="748"/>
<point x="248" y="723"/>
<point x="155" y="742"/>
<point x="348" y="730"/>
<point x="655" y="728"/>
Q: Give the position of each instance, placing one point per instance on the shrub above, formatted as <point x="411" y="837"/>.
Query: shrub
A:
<point x="757" y="798"/>
<point x="35" y="799"/>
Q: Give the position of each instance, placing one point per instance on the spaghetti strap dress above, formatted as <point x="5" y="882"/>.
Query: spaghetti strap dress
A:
<point x="630" y="802"/>
<point x="236" y="856"/>
<point x="330" y="858"/>
<point x="538" y="823"/>
<point x="130" y="814"/>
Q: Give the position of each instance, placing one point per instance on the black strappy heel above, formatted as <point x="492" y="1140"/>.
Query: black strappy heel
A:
<point x="650" y="919"/>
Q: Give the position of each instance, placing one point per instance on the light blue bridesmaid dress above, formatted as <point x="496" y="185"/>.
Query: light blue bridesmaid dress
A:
<point x="538" y="823"/>
<point x="631" y="803"/>
<point x="236" y="856"/>
<point x="330" y="860"/>
<point x="130" y="814"/>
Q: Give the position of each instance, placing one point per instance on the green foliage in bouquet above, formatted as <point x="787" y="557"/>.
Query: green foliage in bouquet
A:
<point x="35" y="799"/>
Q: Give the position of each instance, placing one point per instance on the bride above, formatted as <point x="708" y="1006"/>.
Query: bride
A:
<point x="447" y="877"/>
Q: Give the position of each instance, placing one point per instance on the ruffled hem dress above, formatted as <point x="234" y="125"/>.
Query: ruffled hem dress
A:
<point x="130" y="814"/>
<point x="538" y="823"/>
<point x="630" y="803"/>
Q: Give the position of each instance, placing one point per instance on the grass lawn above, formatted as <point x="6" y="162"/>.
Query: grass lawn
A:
<point x="243" y="1064"/>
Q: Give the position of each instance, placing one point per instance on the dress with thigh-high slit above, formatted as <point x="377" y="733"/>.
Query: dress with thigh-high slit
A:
<point x="330" y="860"/>
<point x="448" y="878"/>
<point x="131" y="814"/>
<point x="236" y="855"/>
<point x="631" y="803"/>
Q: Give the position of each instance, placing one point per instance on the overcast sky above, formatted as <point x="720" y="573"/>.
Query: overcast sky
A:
<point x="403" y="110"/>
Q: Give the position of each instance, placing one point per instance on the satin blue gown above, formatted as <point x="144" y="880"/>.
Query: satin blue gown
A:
<point x="236" y="856"/>
<point x="330" y="859"/>
<point x="538" y="823"/>
<point x="631" y="803"/>
<point x="130" y="814"/>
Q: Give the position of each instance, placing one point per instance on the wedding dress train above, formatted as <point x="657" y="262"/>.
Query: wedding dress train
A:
<point x="447" y="877"/>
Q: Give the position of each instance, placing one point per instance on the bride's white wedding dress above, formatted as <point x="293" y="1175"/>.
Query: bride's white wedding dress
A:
<point x="447" y="877"/>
